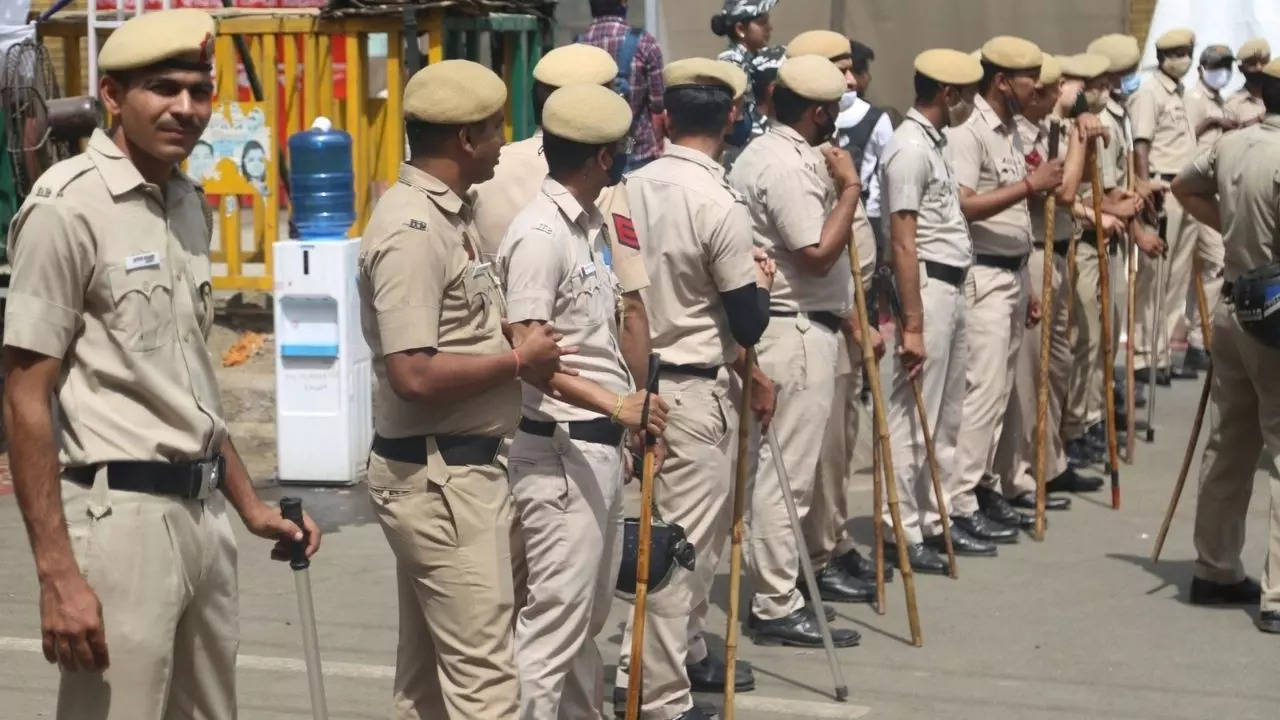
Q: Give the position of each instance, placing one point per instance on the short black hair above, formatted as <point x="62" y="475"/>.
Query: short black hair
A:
<point x="565" y="155"/>
<point x="760" y="82"/>
<point x="600" y="8"/>
<point x="427" y="138"/>
<point x="926" y="88"/>
<point x="541" y="91"/>
<point x="788" y="106"/>
<point x="1270" y="93"/>
<point x="698" y="109"/>
<point x="990" y="70"/>
<point x="861" y="56"/>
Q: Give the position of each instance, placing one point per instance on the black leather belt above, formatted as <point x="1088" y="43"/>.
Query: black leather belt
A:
<point x="1012" y="263"/>
<point x="1060" y="247"/>
<point x="1090" y="238"/>
<point x="948" y="274"/>
<point x="1167" y="177"/>
<point x="189" y="480"/>
<point x="455" y="449"/>
<point x="825" y="318"/>
<point x="601" y="431"/>
<point x="707" y="373"/>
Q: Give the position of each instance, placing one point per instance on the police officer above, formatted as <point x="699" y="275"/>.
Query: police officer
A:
<point x="108" y="309"/>
<point x="843" y="574"/>
<point x="708" y="300"/>
<point x="1240" y="170"/>
<point x="1072" y="89"/>
<point x="746" y="24"/>
<point x="1209" y="117"/>
<point x="1164" y="141"/>
<point x="989" y="160"/>
<point x="518" y="179"/>
<point x="805" y="224"/>
<point x="931" y="254"/>
<point x="566" y="460"/>
<point x="1245" y="105"/>
<point x="431" y="312"/>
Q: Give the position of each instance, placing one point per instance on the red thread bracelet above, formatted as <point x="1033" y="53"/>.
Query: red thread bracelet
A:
<point x="1031" y="190"/>
<point x="518" y="363"/>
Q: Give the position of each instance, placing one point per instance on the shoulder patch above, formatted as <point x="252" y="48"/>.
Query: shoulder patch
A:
<point x="543" y="228"/>
<point x="625" y="230"/>
<point x="417" y="224"/>
<point x="54" y="180"/>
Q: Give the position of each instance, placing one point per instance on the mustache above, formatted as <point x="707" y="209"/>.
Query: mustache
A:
<point x="172" y="124"/>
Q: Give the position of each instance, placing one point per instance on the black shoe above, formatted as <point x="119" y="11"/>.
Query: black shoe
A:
<point x="799" y="629"/>
<point x="1079" y="455"/>
<point x="836" y="585"/>
<point x="1245" y="592"/>
<point x="697" y="712"/>
<point x="1096" y="436"/>
<point x="1184" y="373"/>
<point x="1196" y="359"/>
<point x="963" y="543"/>
<point x="1164" y="378"/>
<point x="922" y="558"/>
<point x="1142" y="376"/>
<point x="1069" y="481"/>
<point x="828" y="611"/>
<point x="1027" y="501"/>
<point x="992" y="504"/>
<point x="863" y="568"/>
<point x="1139" y="396"/>
<point x="1268" y="621"/>
<point x="708" y="675"/>
<point x="983" y="528"/>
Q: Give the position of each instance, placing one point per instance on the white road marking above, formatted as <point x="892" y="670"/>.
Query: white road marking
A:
<point x="360" y="671"/>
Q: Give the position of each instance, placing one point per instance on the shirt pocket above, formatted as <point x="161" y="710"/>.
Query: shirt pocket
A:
<point x="142" y="306"/>
<point x="589" y="301"/>
<point x="200" y="283"/>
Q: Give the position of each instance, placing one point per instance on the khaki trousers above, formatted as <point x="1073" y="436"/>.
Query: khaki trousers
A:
<point x="1085" y="402"/>
<point x="566" y="545"/>
<point x="942" y="383"/>
<point x="165" y="572"/>
<point x="1244" y="428"/>
<point x="449" y="529"/>
<point x="1180" y="239"/>
<point x="995" y="320"/>
<point x="826" y="527"/>
<point x="1016" y="452"/>
<point x="695" y="491"/>
<point x="800" y="357"/>
<point x="1211" y="253"/>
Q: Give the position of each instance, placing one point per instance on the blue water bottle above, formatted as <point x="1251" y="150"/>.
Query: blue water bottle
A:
<point x="321" y="182"/>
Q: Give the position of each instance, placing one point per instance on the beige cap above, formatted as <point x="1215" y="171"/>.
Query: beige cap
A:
<point x="1272" y="68"/>
<point x="1086" y="66"/>
<point x="812" y="78"/>
<point x="1176" y="38"/>
<point x="1121" y="51"/>
<point x="1255" y="49"/>
<point x="1050" y="71"/>
<point x="824" y="43"/>
<point x="1012" y="53"/>
<point x="589" y="114"/>
<point x="976" y="55"/>
<point x="704" y="71"/>
<point x="949" y="67"/>
<point x="182" y="36"/>
<point x="575" y="64"/>
<point x="454" y="92"/>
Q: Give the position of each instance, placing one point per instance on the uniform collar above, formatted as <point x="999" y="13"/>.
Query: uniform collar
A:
<point x="1115" y="108"/>
<point x="1271" y="121"/>
<point x="983" y="110"/>
<point x="121" y="175"/>
<point x="696" y="157"/>
<point x="1169" y="84"/>
<point x="588" y="219"/>
<point x="789" y="133"/>
<point x="932" y="132"/>
<point x="432" y="187"/>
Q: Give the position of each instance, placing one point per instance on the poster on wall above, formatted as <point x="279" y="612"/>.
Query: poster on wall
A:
<point x="231" y="157"/>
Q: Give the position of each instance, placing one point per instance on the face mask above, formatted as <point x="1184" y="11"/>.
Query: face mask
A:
<point x="1176" y="67"/>
<point x="1129" y="84"/>
<point x="617" y="168"/>
<point x="740" y="133"/>
<point x="1095" y="99"/>
<point x="1080" y="105"/>
<point x="958" y="112"/>
<point x="847" y="99"/>
<point x="1217" y="79"/>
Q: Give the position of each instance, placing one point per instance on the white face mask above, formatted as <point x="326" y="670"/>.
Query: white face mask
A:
<point x="847" y="99"/>
<point x="1217" y="79"/>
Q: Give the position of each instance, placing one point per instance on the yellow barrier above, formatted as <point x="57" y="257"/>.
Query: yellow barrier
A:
<point x="376" y="125"/>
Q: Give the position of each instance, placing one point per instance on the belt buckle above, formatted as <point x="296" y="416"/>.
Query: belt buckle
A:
<point x="210" y="472"/>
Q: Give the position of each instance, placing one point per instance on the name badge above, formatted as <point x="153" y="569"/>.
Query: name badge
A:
<point x="588" y="270"/>
<point x="480" y="269"/>
<point x="142" y="260"/>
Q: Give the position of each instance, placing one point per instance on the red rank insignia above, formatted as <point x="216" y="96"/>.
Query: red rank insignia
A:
<point x="626" y="231"/>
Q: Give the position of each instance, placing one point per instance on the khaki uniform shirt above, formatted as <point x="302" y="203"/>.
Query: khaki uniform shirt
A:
<point x="1158" y="114"/>
<point x="698" y="241"/>
<point x="915" y="177"/>
<point x="1115" y="155"/>
<point x="986" y="154"/>
<point x="1244" y="107"/>
<point x="423" y="284"/>
<point x="789" y="195"/>
<point x="516" y="182"/>
<point x="1244" y="170"/>
<point x="111" y="275"/>
<point x="1203" y="103"/>
<point x="1036" y="136"/>
<point x="552" y="261"/>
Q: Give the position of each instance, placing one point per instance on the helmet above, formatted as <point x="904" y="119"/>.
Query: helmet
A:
<point x="1256" y="297"/>
<point x="739" y="11"/>
<point x="668" y="547"/>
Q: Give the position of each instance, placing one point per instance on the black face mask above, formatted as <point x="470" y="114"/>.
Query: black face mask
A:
<point x="827" y="130"/>
<point x="617" y="168"/>
<point x="1079" y="107"/>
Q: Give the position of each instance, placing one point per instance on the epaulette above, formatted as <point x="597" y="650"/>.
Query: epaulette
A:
<point x="54" y="181"/>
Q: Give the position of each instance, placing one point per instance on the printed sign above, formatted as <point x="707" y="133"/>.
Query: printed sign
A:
<point x="234" y="154"/>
